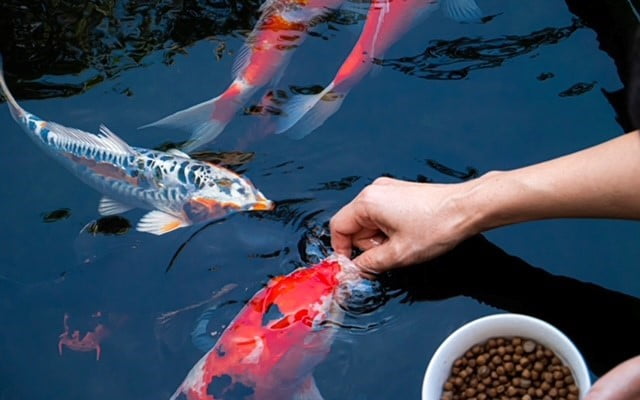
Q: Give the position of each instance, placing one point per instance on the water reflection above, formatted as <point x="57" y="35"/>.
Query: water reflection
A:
<point x="456" y="59"/>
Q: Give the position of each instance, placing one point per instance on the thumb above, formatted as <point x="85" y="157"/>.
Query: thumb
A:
<point x="377" y="259"/>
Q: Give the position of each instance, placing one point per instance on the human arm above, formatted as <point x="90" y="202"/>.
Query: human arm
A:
<point x="400" y="223"/>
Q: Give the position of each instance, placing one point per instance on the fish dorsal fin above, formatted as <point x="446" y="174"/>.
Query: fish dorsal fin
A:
<point x="114" y="139"/>
<point x="462" y="10"/>
<point x="242" y="60"/>
<point x="109" y="206"/>
<point x="105" y="140"/>
<point x="178" y="153"/>
<point x="308" y="391"/>
<point x="159" y="223"/>
<point x="266" y="5"/>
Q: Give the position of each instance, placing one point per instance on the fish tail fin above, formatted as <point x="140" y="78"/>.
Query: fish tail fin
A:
<point x="462" y="10"/>
<point x="16" y="110"/>
<point x="198" y="119"/>
<point x="305" y="113"/>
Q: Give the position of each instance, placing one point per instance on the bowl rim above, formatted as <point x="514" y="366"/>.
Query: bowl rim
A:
<point x="580" y="371"/>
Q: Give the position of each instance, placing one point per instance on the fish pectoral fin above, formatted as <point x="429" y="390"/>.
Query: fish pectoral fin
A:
<point x="308" y="391"/>
<point x="109" y="206"/>
<point x="178" y="153"/>
<point x="462" y="10"/>
<point x="159" y="223"/>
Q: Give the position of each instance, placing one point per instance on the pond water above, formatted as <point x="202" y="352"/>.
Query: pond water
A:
<point x="534" y="87"/>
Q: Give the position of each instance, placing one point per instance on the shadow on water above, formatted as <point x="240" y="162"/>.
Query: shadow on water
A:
<point x="455" y="59"/>
<point x="589" y="314"/>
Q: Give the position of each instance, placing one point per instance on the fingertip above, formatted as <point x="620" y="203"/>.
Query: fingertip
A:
<point x="341" y="244"/>
<point x="366" y="265"/>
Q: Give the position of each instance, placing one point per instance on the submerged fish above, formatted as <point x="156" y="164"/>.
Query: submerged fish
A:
<point x="386" y="22"/>
<point x="89" y="342"/>
<point x="282" y="27"/>
<point x="180" y="191"/>
<point x="270" y="349"/>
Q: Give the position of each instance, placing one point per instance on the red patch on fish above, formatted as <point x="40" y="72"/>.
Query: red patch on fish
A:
<point x="270" y="349"/>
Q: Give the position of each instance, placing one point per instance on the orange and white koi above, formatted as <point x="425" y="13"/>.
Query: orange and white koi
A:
<point x="270" y="349"/>
<point x="180" y="191"/>
<point x="281" y="28"/>
<point x="387" y="21"/>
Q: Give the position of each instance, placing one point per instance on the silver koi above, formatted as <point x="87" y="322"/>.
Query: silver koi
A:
<point x="179" y="190"/>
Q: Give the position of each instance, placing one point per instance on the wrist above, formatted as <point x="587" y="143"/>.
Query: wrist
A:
<point x="491" y="201"/>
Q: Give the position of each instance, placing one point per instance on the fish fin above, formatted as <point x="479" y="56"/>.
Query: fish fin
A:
<point x="297" y="107"/>
<point x="177" y="393"/>
<point x="105" y="139"/>
<point x="243" y="58"/>
<point x="109" y="206"/>
<point x="200" y="335"/>
<point x="462" y="10"/>
<point x="159" y="223"/>
<point x="359" y="8"/>
<point x="308" y="391"/>
<point x="265" y="6"/>
<point x="198" y="120"/>
<point x="178" y="153"/>
<point x="303" y="116"/>
<point x="14" y="107"/>
<point x="114" y="141"/>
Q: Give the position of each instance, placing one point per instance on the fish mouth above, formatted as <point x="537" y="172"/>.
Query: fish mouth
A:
<point x="262" y="204"/>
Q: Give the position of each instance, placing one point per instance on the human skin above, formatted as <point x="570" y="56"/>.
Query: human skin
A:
<point x="398" y="223"/>
<point x="621" y="383"/>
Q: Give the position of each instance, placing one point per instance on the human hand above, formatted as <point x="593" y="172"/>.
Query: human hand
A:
<point x="398" y="223"/>
<point x="621" y="383"/>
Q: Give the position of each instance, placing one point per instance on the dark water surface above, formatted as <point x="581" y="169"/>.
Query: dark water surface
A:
<point x="528" y="85"/>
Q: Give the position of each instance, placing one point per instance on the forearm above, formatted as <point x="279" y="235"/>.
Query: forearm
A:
<point x="599" y="182"/>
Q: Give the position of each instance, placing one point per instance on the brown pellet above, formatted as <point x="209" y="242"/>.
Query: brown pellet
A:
<point x="529" y="346"/>
<point x="510" y="368"/>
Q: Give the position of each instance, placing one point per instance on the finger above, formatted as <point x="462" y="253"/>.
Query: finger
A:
<point x="385" y="181"/>
<point x="342" y="226"/>
<point x="366" y="240"/>
<point x="621" y="383"/>
<point x="377" y="259"/>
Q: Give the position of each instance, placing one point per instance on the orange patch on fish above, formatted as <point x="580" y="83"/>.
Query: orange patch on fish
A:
<point x="105" y="169"/>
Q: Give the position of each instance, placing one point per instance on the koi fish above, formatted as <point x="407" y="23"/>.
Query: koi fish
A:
<point x="180" y="191"/>
<point x="281" y="28"/>
<point x="270" y="349"/>
<point x="387" y="21"/>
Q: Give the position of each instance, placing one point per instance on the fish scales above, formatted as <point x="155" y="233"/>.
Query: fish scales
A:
<point x="178" y="190"/>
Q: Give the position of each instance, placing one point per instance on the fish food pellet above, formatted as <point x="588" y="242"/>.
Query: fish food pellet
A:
<point x="510" y="369"/>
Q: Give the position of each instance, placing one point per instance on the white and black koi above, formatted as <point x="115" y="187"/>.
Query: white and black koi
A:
<point x="180" y="191"/>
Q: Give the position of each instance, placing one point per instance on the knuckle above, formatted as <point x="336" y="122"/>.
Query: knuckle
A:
<point x="368" y="194"/>
<point x="382" y="181"/>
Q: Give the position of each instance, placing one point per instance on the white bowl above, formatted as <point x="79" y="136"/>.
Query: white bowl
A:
<point x="501" y="325"/>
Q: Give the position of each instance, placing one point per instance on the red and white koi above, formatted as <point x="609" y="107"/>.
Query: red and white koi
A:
<point x="180" y="191"/>
<point x="270" y="349"/>
<point x="281" y="28"/>
<point x="386" y="22"/>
